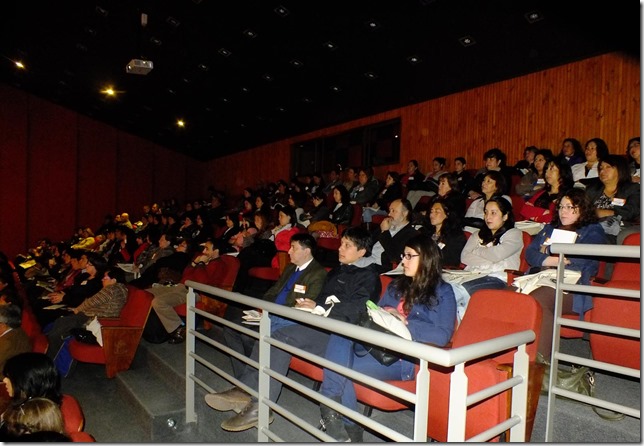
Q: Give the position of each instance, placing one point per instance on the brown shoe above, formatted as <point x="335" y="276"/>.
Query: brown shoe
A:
<point x="232" y="399"/>
<point x="245" y="419"/>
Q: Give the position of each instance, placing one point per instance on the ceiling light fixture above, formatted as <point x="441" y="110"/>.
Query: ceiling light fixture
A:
<point x="250" y="33"/>
<point x="173" y="22"/>
<point x="414" y="60"/>
<point x="181" y="123"/>
<point x="203" y="67"/>
<point x="296" y="63"/>
<point x="330" y="45"/>
<point x="533" y="16"/>
<point x="372" y="24"/>
<point x="156" y="41"/>
<point x="281" y="11"/>
<point x="335" y="88"/>
<point x="224" y="52"/>
<point x="101" y="11"/>
<point x="267" y="77"/>
<point x="467" y="41"/>
<point x="19" y="65"/>
<point x="371" y="75"/>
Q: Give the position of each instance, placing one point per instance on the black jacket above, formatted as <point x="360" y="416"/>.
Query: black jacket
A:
<point x="353" y="286"/>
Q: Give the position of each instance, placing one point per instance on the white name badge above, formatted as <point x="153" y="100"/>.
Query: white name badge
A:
<point x="541" y="181"/>
<point x="441" y="245"/>
<point x="300" y="288"/>
<point x="618" y="202"/>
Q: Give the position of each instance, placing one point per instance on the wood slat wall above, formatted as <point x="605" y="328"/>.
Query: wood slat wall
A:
<point x="596" y="97"/>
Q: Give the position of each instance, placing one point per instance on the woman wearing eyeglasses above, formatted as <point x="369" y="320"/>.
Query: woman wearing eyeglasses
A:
<point x="574" y="213"/>
<point x="425" y="303"/>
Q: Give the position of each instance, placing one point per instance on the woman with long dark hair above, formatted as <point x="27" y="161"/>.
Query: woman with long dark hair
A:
<point x="494" y="248"/>
<point x="423" y="301"/>
<point x="541" y="207"/>
<point x="445" y="230"/>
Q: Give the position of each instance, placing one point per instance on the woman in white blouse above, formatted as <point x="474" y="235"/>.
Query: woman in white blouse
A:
<point x="596" y="149"/>
<point x="494" y="248"/>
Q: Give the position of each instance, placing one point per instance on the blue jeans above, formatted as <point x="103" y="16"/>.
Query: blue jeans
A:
<point x="484" y="283"/>
<point x="340" y="351"/>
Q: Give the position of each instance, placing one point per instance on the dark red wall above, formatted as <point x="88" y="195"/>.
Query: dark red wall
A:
<point x="60" y="170"/>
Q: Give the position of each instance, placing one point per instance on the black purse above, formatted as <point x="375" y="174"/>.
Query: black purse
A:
<point x="382" y="355"/>
<point x="84" y="336"/>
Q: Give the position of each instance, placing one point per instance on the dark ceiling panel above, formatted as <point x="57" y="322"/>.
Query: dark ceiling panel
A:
<point x="241" y="74"/>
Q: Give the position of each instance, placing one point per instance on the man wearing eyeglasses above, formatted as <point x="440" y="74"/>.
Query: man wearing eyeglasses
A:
<point x="390" y="238"/>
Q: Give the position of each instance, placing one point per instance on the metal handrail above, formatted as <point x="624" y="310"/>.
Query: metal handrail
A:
<point x="456" y="357"/>
<point x="588" y="250"/>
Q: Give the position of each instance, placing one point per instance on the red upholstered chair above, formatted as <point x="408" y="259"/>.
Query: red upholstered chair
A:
<point x="72" y="414"/>
<point x="268" y="272"/>
<point x="517" y="204"/>
<point x="482" y="321"/>
<point x="39" y="342"/>
<point x="356" y="220"/>
<point x="121" y="335"/>
<point x="376" y="220"/>
<point x="617" y="311"/>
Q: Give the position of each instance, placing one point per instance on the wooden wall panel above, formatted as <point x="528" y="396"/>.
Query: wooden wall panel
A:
<point x="52" y="172"/>
<point x="596" y="97"/>
<point x="13" y="170"/>
<point x="97" y="167"/>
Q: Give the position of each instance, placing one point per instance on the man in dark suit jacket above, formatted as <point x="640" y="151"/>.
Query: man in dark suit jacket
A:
<point x="285" y="291"/>
<point x="389" y="240"/>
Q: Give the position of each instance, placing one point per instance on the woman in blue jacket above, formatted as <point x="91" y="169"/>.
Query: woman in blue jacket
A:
<point x="423" y="301"/>
<point x="574" y="213"/>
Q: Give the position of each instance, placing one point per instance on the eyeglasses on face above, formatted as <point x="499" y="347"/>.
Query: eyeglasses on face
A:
<point x="408" y="256"/>
<point x="567" y="207"/>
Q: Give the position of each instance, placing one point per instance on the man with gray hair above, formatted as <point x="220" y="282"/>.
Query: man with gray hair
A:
<point x="13" y="339"/>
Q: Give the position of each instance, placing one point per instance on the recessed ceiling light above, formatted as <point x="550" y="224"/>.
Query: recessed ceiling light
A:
<point x="203" y="67"/>
<point x="467" y="41"/>
<point x="226" y="100"/>
<point x="267" y="77"/>
<point x="250" y="33"/>
<point x="307" y="100"/>
<point x="172" y="22"/>
<point x="224" y="52"/>
<point x="281" y="11"/>
<point x="101" y="11"/>
<point x="181" y="123"/>
<point x="533" y="16"/>
<point x="171" y="91"/>
<point x="370" y="75"/>
<point x="335" y="88"/>
<point x="156" y="41"/>
<point x="19" y="65"/>
<point x="281" y="109"/>
<point x="372" y="24"/>
<point x="330" y="45"/>
<point x="414" y="60"/>
<point x="296" y="63"/>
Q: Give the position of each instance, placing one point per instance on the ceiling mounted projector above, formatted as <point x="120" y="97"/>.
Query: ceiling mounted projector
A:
<point x="139" y="66"/>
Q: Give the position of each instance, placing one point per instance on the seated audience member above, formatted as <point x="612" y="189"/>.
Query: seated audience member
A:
<point x="125" y="246"/>
<point x="333" y="179"/>
<point x="541" y="207"/>
<point x="262" y="204"/>
<point x="302" y="278"/>
<point x="350" y="178"/>
<point x="462" y="176"/>
<point x="223" y="242"/>
<point x="87" y="240"/>
<point x="391" y="191"/>
<point x="534" y="179"/>
<point x="13" y="339"/>
<point x="341" y="214"/>
<point x="616" y="199"/>
<point x="151" y="251"/>
<point x="423" y="301"/>
<point x="493" y="185"/>
<point x="297" y="200"/>
<point x="243" y="238"/>
<point x="633" y="153"/>
<point x="283" y="232"/>
<point x="571" y="152"/>
<point x="429" y="185"/>
<point x="448" y="190"/>
<point x="142" y="241"/>
<point x="31" y="375"/>
<point x="575" y="213"/>
<point x="413" y="177"/>
<point x="280" y="197"/>
<point x="108" y="302"/>
<point x="168" y="297"/>
<point x="524" y="165"/>
<point x="445" y="229"/>
<point x="494" y="161"/>
<point x="95" y="266"/>
<point x="168" y="269"/>
<point x="352" y="285"/>
<point x="365" y="192"/>
<point x="202" y="227"/>
<point x="586" y="173"/>
<point x="390" y="237"/>
<point x="22" y="419"/>
<point x="494" y="248"/>
<point x="317" y="184"/>
<point x="319" y="212"/>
